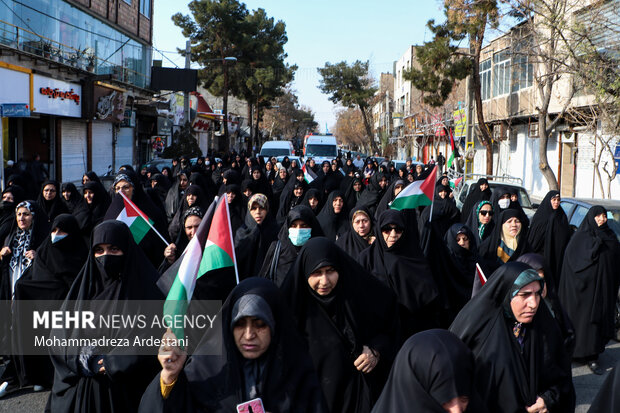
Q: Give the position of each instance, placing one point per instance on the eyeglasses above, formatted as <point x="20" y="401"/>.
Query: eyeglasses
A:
<point x="485" y="213"/>
<point x="392" y="228"/>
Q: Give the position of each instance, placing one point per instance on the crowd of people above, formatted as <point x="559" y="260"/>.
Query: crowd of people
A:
<point x="344" y="304"/>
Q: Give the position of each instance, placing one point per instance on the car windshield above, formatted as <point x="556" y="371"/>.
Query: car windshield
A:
<point x="274" y="152"/>
<point x="321" y="150"/>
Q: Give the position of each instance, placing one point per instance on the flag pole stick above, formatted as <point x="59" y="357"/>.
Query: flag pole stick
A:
<point x="430" y="217"/>
<point x="143" y="217"/>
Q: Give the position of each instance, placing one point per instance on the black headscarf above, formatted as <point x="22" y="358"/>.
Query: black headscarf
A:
<point x="589" y="283"/>
<point x="313" y="193"/>
<point x="151" y="244"/>
<point x="549" y="234"/>
<point x="288" y="252"/>
<point x="463" y="261"/>
<point x="78" y="207"/>
<point x="176" y="225"/>
<point x="432" y="368"/>
<point x="129" y="277"/>
<point x="56" y="264"/>
<point x="351" y="241"/>
<point x="510" y="376"/>
<point x="359" y="311"/>
<point x="283" y="377"/>
<point x="389" y="196"/>
<point x="252" y="242"/>
<point x="444" y="213"/>
<point x="351" y="196"/>
<point x="92" y="176"/>
<point x="372" y="195"/>
<point x="7" y="210"/>
<point x="175" y="195"/>
<point x="54" y="207"/>
<point x="101" y="201"/>
<point x="236" y="208"/>
<point x="334" y="225"/>
<point x="475" y="196"/>
<point x="404" y="269"/>
<point x="288" y="200"/>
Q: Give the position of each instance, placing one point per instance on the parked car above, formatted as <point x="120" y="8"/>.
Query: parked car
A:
<point x="465" y="187"/>
<point x="399" y="163"/>
<point x="577" y="208"/>
<point x="160" y="163"/>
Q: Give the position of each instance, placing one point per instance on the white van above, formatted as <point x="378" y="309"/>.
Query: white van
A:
<point x="276" y="148"/>
<point x="320" y="148"/>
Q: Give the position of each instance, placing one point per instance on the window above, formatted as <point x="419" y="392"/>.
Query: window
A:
<point x="485" y="79"/>
<point x="501" y="73"/>
<point x="145" y="8"/>
<point x="523" y="69"/>
<point x="578" y="216"/>
<point x="127" y="1"/>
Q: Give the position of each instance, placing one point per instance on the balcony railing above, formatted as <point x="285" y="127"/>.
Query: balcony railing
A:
<point x="27" y="41"/>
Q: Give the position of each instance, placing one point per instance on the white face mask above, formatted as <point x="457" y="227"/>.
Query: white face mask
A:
<point x="503" y="203"/>
<point x="56" y="237"/>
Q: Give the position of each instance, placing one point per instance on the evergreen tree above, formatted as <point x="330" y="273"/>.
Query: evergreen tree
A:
<point x="443" y="63"/>
<point x="352" y="87"/>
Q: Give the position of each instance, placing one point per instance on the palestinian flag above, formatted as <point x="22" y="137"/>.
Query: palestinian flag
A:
<point x="417" y="193"/>
<point x="210" y="249"/>
<point x="309" y="174"/>
<point x="479" y="280"/>
<point x="139" y="224"/>
<point x="455" y="151"/>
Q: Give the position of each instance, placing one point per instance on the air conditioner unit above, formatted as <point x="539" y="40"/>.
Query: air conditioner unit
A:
<point x="533" y="130"/>
<point x="500" y="132"/>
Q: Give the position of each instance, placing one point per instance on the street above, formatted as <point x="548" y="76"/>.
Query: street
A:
<point x="586" y="386"/>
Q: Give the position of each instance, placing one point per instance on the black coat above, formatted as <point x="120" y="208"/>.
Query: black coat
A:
<point x="359" y="311"/>
<point x="589" y="284"/>
<point x="510" y="377"/>
<point x="218" y="383"/>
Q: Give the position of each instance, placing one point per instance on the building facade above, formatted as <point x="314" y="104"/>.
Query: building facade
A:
<point x="73" y="75"/>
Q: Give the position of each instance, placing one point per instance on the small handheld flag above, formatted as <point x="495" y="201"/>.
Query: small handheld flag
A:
<point x="139" y="224"/>
<point x="418" y="193"/>
<point x="309" y="174"/>
<point x="210" y="249"/>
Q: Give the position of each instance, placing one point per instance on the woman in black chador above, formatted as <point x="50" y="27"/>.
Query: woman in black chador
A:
<point x="517" y="346"/>
<point x="334" y="216"/>
<point x="98" y="380"/>
<point x="260" y="355"/>
<point x="549" y="234"/>
<point x="349" y="320"/>
<point x="433" y="373"/>
<point x="50" y="200"/>
<point x="300" y="226"/>
<point x="589" y="285"/>
<point x="397" y="260"/>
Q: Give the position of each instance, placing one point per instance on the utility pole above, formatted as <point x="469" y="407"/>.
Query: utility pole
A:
<point x="188" y="58"/>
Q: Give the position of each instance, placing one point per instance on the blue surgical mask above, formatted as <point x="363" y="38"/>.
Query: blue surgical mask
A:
<point x="56" y="237"/>
<point x="299" y="236"/>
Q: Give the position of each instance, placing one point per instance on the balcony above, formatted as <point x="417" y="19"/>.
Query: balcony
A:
<point x="26" y="41"/>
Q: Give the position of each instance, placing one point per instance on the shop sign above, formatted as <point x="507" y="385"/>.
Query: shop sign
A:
<point x="460" y="123"/>
<point x="109" y="104"/>
<point x="164" y="126"/>
<point x="56" y="97"/>
<point x="617" y="159"/>
<point x="14" y="110"/>
<point x="14" y="86"/>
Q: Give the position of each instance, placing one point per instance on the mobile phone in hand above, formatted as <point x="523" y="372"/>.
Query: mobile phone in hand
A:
<point x="252" y="406"/>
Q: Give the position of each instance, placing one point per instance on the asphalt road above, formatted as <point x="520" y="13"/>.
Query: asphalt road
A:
<point x="586" y="386"/>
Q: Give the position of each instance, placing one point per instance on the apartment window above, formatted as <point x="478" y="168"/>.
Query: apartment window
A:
<point x="523" y="69"/>
<point x="501" y="73"/>
<point x="145" y="8"/>
<point x="127" y="1"/>
<point x="485" y="79"/>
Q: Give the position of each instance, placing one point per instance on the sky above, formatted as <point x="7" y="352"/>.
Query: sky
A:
<point x="321" y="31"/>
